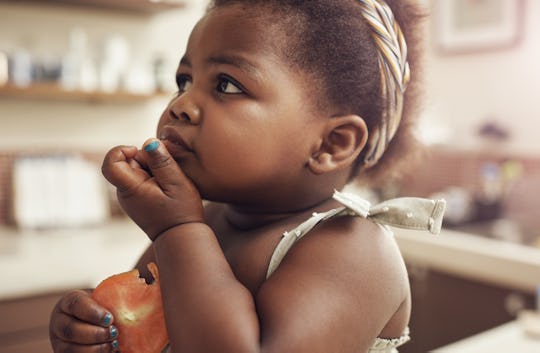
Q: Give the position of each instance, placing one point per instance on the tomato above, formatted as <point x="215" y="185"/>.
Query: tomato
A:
<point x="137" y="310"/>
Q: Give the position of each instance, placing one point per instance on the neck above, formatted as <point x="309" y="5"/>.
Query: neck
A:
<point x="246" y="218"/>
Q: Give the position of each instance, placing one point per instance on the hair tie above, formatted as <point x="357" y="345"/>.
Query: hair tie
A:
<point x="395" y="73"/>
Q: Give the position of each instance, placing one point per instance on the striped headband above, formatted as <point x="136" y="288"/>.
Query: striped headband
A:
<point x="395" y="73"/>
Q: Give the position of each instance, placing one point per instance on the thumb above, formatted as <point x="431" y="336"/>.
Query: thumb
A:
<point x="162" y="165"/>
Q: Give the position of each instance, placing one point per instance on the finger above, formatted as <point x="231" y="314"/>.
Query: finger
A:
<point x="69" y="329"/>
<point x="120" y="154"/>
<point x="122" y="168"/>
<point x="80" y="304"/>
<point x="60" y="346"/>
<point x="163" y="166"/>
<point x="138" y="161"/>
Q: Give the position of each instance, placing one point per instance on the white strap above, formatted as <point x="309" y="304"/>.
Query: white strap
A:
<point x="291" y="237"/>
<point x="405" y="212"/>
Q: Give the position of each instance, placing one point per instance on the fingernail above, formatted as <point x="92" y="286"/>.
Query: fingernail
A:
<point x="107" y="319"/>
<point x="151" y="146"/>
<point x="115" y="344"/>
<point x="113" y="331"/>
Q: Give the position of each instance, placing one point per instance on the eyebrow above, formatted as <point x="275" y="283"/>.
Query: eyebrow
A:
<point x="233" y="60"/>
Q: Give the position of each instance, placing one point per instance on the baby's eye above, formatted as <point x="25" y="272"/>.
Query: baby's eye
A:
<point x="228" y="86"/>
<point x="183" y="82"/>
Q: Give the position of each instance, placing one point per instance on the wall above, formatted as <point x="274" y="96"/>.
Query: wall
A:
<point x="44" y="31"/>
<point x="464" y="90"/>
<point x="461" y="90"/>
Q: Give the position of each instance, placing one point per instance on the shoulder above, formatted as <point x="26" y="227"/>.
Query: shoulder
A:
<point x="352" y="249"/>
<point x="347" y="274"/>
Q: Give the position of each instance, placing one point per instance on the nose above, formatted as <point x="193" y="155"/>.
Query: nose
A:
<point x="183" y="108"/>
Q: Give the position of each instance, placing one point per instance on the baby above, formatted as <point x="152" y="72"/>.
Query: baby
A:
<point x="280" y="103"/>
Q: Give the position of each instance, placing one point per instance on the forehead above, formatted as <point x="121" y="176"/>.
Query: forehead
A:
<point x="237" y="30"/>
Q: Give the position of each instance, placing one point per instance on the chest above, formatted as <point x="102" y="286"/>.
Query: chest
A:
<point x="248" y="253"/>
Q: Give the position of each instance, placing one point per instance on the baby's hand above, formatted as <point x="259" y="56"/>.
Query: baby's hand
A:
<point x="80" y="324"/>
<point x="151" y="187"/>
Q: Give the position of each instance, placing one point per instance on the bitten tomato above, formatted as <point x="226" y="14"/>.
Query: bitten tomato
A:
<point x="137" y="310"/>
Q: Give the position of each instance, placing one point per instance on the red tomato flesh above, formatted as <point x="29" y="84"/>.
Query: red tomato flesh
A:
<point x="137" y="310"/>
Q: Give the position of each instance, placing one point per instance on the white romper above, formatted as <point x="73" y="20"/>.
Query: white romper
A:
<point x="405" y="212"/>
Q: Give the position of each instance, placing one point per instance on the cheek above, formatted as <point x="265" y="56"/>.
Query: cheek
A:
<point x="238" y="152"/>
<point x="235" y="148"/>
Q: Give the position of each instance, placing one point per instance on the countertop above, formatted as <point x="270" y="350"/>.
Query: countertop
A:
<point x="45" y="261"/>
<point x="35" y="262"/>
<point x="510" y="265"/>
<point x="506" y="338"/>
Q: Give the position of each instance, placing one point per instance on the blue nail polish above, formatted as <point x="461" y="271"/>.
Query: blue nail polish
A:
<point x="113" y="331"/>
<point x="115" y="344"/>
<point x="151" y="146"/>
<point x="107" y="319"/>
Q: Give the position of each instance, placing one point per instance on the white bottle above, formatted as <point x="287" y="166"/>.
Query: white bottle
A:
<point x="73" y="61"/>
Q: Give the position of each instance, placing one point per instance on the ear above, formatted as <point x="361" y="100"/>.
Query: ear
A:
<point x="344" y="138"/>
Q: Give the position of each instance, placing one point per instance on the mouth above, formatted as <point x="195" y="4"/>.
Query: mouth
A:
<point x="175" y="144"/>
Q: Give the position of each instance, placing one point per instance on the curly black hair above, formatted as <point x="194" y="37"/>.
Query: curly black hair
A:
<point x="331" y="42"/>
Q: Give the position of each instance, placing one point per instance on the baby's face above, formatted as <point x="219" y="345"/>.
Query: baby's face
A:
<point x="242" y="126"/>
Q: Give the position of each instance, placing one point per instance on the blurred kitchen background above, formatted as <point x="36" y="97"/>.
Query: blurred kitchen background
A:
<point x="79" y="76"/>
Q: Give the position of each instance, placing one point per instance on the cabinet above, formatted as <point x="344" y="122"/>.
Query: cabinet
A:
<point x="24" y="324"/>
<point x="447" y="308"/>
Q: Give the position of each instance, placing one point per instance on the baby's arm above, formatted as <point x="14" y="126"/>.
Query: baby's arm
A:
<point x="196" y="279"/>
<point x="77" y="322"/>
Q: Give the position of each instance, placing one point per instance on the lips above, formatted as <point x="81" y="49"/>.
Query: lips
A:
<point x="175" y="144"/>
